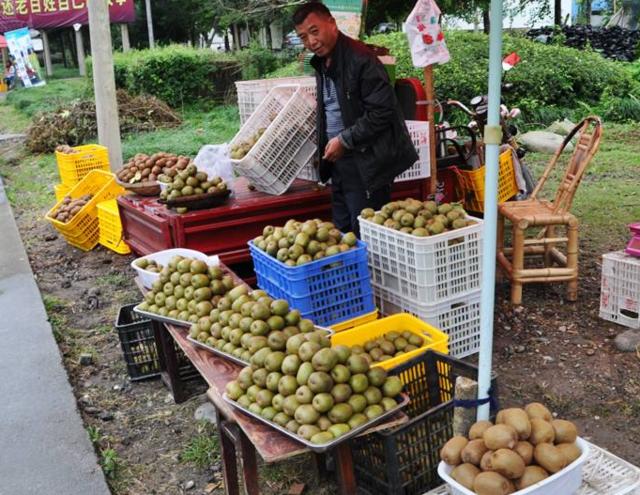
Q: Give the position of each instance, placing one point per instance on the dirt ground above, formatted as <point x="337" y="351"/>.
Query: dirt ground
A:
<point x="546" y="350"/>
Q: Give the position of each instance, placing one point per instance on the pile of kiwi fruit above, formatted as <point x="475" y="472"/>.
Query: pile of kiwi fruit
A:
<point x="522" y="448"/>
<point x="69" y="208"/>
<point x="240" y="150"/>
<point x="298" y="243"/>
<point x="388" y="346"/>
<point x="149" y="265"/>
<point x="66" y="149"/>
<point x="244" y="324"/>
<point x="143" y="168"/>
<point x="315" y="391"/>
<point x="419" y="218"/>
<point x="187" y="289"/>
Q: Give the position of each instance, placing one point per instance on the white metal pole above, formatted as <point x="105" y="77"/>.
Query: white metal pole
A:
<point x="493" y="135"/>
<point x="104" y="84"/>
<point x="147" y="5"/>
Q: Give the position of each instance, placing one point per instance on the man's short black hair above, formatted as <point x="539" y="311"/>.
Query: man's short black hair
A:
<point x="305" y="9"/>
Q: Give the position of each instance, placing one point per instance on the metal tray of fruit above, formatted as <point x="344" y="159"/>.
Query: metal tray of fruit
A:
<point x="231" y="357"/>
<point x="163" y="319"/>
<point x="402" y="399"/>
<point x="198" y="201"/>
<point x="218" y="352"/>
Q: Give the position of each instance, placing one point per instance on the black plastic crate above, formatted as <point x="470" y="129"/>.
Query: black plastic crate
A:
<point x="139" y="347"/>
<point x="404" y="460"/>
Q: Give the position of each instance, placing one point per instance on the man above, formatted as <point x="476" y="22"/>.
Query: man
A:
<point x="363" y="143"/>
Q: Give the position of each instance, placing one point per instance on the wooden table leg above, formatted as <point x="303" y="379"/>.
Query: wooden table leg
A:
<point x="168" y="362"/>
<point x="249" y="464"/>
<point x="229" y="464"/>
<point x="344" y="469"/>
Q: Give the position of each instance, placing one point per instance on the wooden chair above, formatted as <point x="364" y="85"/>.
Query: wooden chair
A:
<point x="535" y="222"/>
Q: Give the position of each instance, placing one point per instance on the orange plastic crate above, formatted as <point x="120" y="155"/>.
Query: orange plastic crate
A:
<point x="73" y="167"/>
<point x="82" y="231"/>
<point x="110" y="235"/>
<point x="472" y="183"/>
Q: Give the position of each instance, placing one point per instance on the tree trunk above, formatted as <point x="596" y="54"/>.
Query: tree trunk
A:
<point x="486" y="21"/>
<point x="557" y="12"/>
<point x="64" y="49"/>
<point x="72" y="46"/>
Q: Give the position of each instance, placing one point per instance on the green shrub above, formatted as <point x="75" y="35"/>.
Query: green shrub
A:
<point x="293" y="69"/>
<point x="175" y="73"/>
<point x="257" y="61"/>
<point x="548" y="77"/>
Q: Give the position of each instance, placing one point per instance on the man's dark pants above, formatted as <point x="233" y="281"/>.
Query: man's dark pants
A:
<point x="349" y="195"/>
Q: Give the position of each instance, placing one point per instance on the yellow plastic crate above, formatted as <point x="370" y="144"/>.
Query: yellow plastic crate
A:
<point x="110" y="227"/>
<point x="61" y="190"/>
<point x="73" y="167"/>
<point x="354" y="322"/>
<point x="82" y="230"/>
<point x="434" y="338"/>
<point x="472" y="183"/>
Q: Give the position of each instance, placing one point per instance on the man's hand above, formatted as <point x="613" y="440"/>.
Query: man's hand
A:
<point x="334" y="150"/>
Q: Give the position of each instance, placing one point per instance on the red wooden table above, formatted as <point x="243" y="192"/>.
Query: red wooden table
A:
<point x="149" y="226"/>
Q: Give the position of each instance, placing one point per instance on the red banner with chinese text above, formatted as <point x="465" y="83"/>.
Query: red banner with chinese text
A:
<point x="47" y="14"/>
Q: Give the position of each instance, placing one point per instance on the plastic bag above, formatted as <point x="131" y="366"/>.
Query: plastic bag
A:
<point x="215" y="161"/>
<point x="426" y="39"/>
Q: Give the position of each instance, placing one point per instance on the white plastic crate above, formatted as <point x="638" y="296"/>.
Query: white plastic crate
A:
<point x="459" y="318"/>
<point x="252" y="93"/>
<point x="620" y="289"/>
<point x="309" y="171"/>
<point x="602" y="474"/>
<point x="419" y="132"/>
<point x="428" y="270"/>
<point x="288" y="114"/>
<point x="163" y="257"/>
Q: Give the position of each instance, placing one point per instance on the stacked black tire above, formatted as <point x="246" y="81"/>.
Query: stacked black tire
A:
<point x="616" y="43"/>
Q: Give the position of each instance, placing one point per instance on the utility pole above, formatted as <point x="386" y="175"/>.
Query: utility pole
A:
<point x="104" y="84"/>
<point x="147" y="5"/>
<point x="124" y="31"/>
<point x="47" y="53"/>
<point x="80" y="49"/>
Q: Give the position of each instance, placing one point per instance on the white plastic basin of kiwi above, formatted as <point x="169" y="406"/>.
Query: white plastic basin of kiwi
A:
<point x="163" y="257"/>
<point x="565" y="482"/>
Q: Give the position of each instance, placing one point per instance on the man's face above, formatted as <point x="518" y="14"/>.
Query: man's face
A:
<point x="318" y="33"/>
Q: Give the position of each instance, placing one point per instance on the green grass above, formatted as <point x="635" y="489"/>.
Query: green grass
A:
<point x="30" y="101"/>
<point x="29" y="184"/>
<point x="608" y="198"/>
<point x="12" y="120"/>
<point x="203" y="450"/>
<point x="216" y="126"/>
<point x="62" y="72"/>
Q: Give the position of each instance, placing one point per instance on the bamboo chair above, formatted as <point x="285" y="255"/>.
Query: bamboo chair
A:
<point x="535" y="222"/>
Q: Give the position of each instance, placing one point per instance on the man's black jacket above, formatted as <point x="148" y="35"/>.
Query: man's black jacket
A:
<point x="374" y="128"/>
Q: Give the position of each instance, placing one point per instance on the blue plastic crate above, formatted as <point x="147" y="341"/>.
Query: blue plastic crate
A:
<point x="327" y="291"/>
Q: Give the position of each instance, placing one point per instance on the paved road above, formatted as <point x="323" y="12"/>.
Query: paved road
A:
<point x="44" y="447"/>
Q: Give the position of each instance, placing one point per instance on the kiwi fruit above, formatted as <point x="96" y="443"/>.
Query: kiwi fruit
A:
<point x="472" y="453"/>
<point x="549" y="457"/>
<point x="565" y="431"/>
<point x="477" y="429"/>
<point x="465" y="474"/>
<point x="452" y="450"/>
<point x="531" y="476"/>
<point x="518" y="419"/>
<point x="525" y="450"/>
<point x="491" y="483"/>
<point x="535" y="410"/>
<point x="485" y="461"/>
<point x="507" y="463"/>
<point x="541" y="432"/>
<point x="500" y="437"/>
<point x="570" y="451"/>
